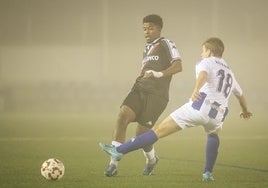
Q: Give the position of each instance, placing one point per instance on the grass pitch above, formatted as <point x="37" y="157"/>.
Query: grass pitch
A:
<point x="28" y="140"/>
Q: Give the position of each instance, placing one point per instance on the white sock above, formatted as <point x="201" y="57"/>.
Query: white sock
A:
<point x="150" y="156"/>
<point x="112" y="161"/>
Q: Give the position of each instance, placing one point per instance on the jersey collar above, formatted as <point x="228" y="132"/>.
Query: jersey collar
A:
<point x="155" y="41"/>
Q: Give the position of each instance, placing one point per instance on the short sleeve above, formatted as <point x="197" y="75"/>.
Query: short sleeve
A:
<point x="202" y="65"/>
<point x="236" y="88"/>
<point x="172" y="50"/>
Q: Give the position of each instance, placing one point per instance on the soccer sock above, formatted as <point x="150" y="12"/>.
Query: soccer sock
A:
<point x="138" y="142"/>
<point x="150" y="156"/>
<point x="213" y="143"/>
<point x="116" y="144"/>
<point x="113" y="161"/>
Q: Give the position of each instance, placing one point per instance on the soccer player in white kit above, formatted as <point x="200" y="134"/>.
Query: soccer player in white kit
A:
<point x="208" y="107"/>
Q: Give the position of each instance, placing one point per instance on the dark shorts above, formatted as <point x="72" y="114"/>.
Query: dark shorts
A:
<point x="147" y="107"/>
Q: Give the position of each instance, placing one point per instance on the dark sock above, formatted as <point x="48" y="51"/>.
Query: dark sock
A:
<point x="138" y="142"/>
<point x="211" y="151"/>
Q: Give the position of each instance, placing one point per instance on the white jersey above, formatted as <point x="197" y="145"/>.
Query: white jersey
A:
<point x="211" y="109"/>
<point x="218" y="88"/>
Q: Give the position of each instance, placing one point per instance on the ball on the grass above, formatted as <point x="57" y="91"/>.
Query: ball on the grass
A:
<point x="52" y="169"/>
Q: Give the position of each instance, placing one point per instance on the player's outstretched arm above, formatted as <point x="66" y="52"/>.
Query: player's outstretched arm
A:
<point x="245" y="113"/>
<point x="175" y="67"/>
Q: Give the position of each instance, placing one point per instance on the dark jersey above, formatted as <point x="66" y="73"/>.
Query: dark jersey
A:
<point x="157" y="56"/>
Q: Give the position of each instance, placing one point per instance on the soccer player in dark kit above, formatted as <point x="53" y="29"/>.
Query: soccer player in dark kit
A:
<point x="208" y="107"/>
<point x="149" y="96"/>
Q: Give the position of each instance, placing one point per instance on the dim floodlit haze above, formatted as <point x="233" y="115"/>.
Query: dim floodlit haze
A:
<point x="81" y="56"/>
<point x="67" y="65"/>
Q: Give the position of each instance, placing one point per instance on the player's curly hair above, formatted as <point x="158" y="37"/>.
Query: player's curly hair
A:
<point x="215" y="45"/>
<point x="155" y="19"/>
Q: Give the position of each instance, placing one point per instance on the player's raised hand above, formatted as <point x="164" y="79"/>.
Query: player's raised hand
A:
<point x="245" y="115"/>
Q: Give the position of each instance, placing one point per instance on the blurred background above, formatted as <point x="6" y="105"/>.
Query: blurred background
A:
<point x="83" y="56"/>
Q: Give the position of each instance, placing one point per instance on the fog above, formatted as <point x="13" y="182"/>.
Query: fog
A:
<point x="82" y="56"/>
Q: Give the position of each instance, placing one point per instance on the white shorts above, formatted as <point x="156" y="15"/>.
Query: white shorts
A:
<point x="186" y="117"/>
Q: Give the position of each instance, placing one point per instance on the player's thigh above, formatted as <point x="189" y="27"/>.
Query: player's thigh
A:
<point x="213" y="126"/>
<point x="126" y="114"/>
<point x="166" y="127"/>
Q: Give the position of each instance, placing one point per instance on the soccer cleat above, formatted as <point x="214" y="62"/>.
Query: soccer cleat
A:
<point x="207" y="176"/>
<point x="111" y="150"/>
<point x="111" y="170"/>
<point x="149" y="168"/>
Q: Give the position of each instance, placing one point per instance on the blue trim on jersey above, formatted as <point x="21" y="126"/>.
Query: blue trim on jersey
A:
<point x="197" y="104"/>
<point x="213" y="111"/>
